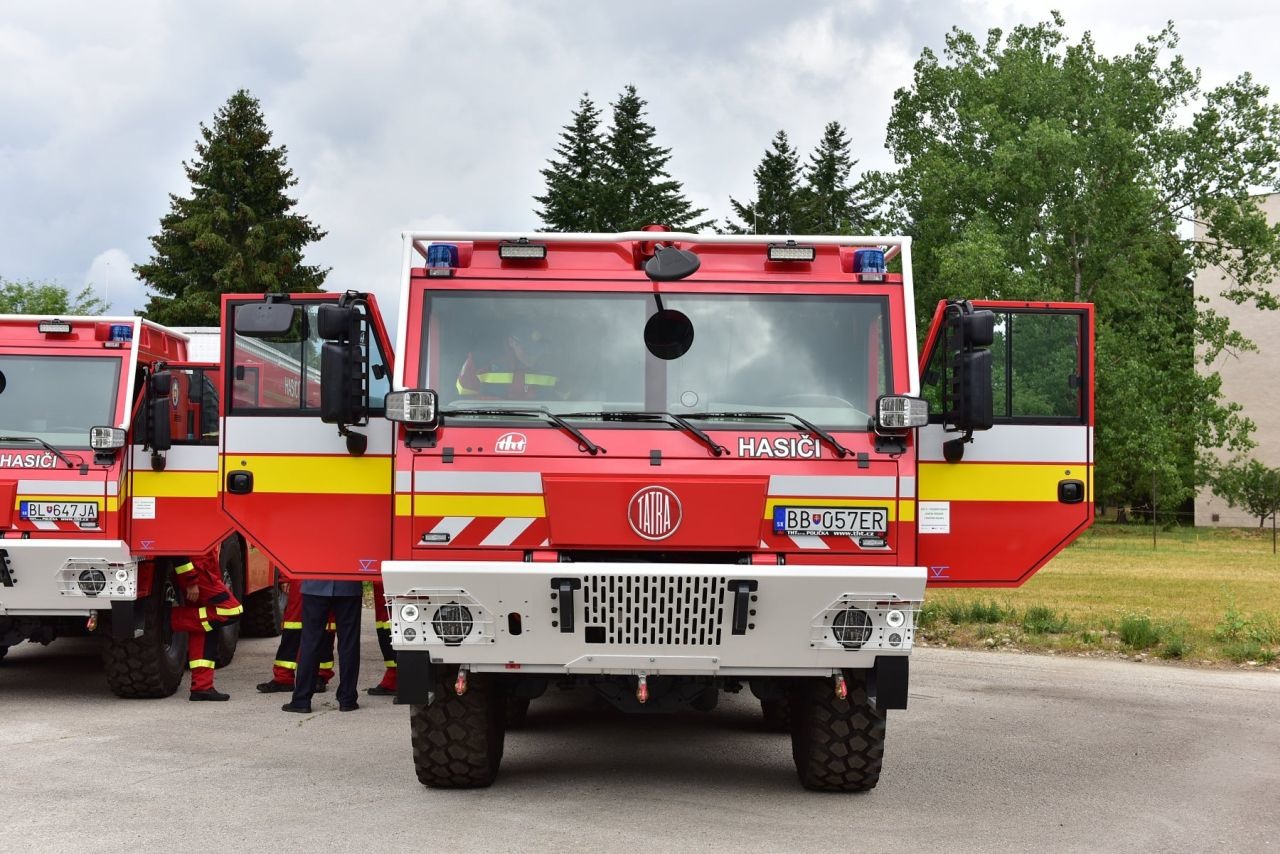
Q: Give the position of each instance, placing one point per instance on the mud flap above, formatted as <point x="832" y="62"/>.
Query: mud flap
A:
<point x="126" y="621"/>
<point x="413" y="677"/>
<point x="887" y="682"/>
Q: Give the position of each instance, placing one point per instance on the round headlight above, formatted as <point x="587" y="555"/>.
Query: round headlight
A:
<point x="92" y="581"/>
<point x="452" y="623"/>
<point x="852" y="628"/>
<point x="895" y="619"/>
<point x="409" y="613"/>
<point x="122" y="575"/>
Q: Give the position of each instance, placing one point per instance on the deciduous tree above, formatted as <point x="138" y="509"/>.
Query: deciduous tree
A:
<point x="1034" y="167"/>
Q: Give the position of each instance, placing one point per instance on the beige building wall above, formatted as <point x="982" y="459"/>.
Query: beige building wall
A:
<point x="1250" y="379"/>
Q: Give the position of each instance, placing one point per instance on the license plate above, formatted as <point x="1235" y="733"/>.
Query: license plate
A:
<point x="59" y="511"/>
<point x="831" y="521"/>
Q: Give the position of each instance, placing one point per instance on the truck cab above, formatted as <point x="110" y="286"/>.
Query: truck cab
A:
<point x="661" y="466"/>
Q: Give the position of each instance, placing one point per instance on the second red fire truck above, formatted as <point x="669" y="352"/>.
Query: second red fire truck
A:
<point x="659" y="466"/>
<point x="108" y="480"/>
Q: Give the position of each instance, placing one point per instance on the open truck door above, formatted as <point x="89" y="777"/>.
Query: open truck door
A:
<point x="306" y="457"/>
<point x="1002" y="493"/>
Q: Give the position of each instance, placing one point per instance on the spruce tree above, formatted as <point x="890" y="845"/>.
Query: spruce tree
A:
<point x="830" y="204"/>
<point x="637" y="188"/>
<point x="574" y="180"/>
<point x="777" y="208"/>
<point x="235" y="232"/>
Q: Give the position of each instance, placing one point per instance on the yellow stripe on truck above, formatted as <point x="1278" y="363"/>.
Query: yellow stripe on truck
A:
<point x="520" y="506"/>
<point x="998" y="482"/>
<point x="176" y="484"/>
<point x="315" y="474"/>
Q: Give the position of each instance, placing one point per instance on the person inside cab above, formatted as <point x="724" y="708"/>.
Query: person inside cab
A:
<point x="517" y="372"/>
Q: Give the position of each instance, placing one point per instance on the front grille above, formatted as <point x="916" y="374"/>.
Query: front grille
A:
<point x="654" y="610"/>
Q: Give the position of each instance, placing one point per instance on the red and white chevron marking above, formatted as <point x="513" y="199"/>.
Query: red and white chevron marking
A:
<point x="488" y="531"/>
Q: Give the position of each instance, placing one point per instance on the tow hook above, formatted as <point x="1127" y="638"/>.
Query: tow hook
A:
<point x="642" y="689"/>
<point x="92" y="623"/>
<point x="460" y="686"/>
<point x="842" y="689"/>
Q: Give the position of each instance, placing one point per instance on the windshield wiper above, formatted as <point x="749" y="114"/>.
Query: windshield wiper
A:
<point x="591" y="447"/>
<point x="796" y="420"/>
<point x="663" y="417"/>
<point x="50" y="448"/>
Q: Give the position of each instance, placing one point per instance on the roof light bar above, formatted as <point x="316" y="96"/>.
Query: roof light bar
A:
<point x="791" y="251"/>
<point x="54" y="327"/>
<point x="522" y="249"/>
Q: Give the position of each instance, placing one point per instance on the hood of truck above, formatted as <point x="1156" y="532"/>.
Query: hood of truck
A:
<point x="649" y="490"/>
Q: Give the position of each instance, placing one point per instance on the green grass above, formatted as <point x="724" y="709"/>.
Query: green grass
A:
<point x="1200" y="595"/>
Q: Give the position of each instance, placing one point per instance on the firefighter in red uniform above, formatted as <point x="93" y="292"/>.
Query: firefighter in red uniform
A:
<point x="285" y="666"/>
<point x="382" y="622"/>
<point x="209" y="604"/>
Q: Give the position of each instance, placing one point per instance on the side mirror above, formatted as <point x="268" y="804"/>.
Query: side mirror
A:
<point x="161" y="383"/>
<point x="969" y="391"/>
<point x="161" y="433"/>
<point x="337" y="322"/>
<point x="341" y="388"/>
<point x="264" y="319"/>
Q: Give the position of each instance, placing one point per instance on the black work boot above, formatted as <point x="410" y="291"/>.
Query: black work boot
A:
<point x="211" y="694"/>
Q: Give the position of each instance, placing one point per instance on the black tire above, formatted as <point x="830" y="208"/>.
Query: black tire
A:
<point x="517" y="711"/>
<point x="777" y="715"/>
<point x="152" y="665"/>
<point x="231" y="562"/>
<point x="838" y="745"/>
<point x="457" y="741"/>
<point x="4" y="650"/>
<point x="264" y="610"/>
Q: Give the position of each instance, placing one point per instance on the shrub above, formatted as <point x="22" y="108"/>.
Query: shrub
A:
<point x="1174" y="644"/>
<point x="1138" y="632"/>
<point x="1233" y="624"/>
<point x="987" y="612"/>
<point x="1244" y="650"/>
<point x="929" y="615"/>
<point x="1043" y="620"/>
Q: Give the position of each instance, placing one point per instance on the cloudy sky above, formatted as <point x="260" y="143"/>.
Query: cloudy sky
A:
<point x="435" y="114"/>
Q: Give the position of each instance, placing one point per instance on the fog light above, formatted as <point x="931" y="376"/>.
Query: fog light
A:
<point x="895" y="639"/>
<point x="452" y="623"/>
<point x="895" y="619"/>
<point x="92" y="582"/>
<point x="852" y="628"/>
<point x="410" y="634"/>
<point x="409" y="613"/>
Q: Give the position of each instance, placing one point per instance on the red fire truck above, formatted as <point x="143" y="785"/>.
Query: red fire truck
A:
<point x="659" y="466"/>
<point x="108" y="479"/>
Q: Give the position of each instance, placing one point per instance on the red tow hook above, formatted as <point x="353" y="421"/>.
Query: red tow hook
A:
<point x="842" y="689"/>
<point x="92" y="622"/>
<point x="460" y="686"/>
<point x="642" y="689"/>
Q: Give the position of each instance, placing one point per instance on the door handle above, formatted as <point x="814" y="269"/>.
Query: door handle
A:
<point x="240" y="482"/>
<point x="1071" y="491"/>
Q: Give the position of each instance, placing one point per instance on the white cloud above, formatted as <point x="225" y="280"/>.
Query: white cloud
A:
<point x="110" y="276"/>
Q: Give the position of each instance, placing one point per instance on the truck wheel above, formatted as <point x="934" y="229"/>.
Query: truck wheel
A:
<point x="777" y="715"/>
<point x="264" y="610"/>
<point x="152" y="665"/>
<point x="517" y="711"/>
<point x="457" y="741"/>
<point x="838" y="745"/>
<point x="231" y="562"/>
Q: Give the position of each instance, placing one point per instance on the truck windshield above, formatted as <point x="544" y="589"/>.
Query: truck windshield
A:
<point x="57" y="398"/>
<point x="825" y="358"/>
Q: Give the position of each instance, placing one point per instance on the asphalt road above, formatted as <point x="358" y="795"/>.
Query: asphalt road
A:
<point x="998" y="752"/>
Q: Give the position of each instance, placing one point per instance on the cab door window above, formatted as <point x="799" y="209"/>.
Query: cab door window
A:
<point x="1036" y="369"/>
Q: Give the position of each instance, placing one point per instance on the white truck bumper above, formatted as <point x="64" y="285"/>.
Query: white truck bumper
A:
<point x="65" y="577"/>
<point x="629" y="618"/>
